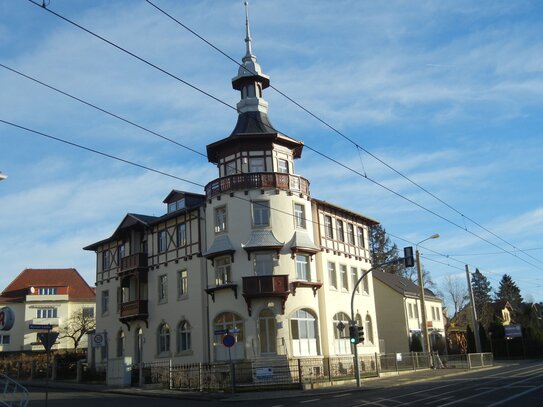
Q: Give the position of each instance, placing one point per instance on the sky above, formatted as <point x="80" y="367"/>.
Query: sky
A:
<point x="424" y="115"/>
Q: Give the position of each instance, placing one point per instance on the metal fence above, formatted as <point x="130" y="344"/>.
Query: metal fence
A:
<point x="12" y="393"/>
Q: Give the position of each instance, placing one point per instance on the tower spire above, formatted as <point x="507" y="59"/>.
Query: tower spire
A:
<point x="248" y="38"/>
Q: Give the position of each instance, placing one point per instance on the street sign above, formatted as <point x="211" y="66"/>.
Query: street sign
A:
<point x="228" y="340"/>
<point x="40" y="326"/>
<point x="221" y="331"/>
<point x="98" y="340"/>
<point x="513" y="331"/>
<point x="234" y="331"/>
<point x="48" y="339"/>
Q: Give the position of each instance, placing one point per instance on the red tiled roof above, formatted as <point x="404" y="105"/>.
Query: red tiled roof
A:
<point x="78" y="289"/>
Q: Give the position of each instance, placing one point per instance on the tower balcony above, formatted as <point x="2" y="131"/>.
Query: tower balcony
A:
<point x="265" y="286"/>
<point x="257" y="180"/>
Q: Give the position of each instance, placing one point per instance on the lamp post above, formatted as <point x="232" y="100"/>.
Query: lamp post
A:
<point x="426" y="341"/>
<point x="2" y="176"/>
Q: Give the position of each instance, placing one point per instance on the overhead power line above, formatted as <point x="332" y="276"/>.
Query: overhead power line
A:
<point x="324" y="155"/>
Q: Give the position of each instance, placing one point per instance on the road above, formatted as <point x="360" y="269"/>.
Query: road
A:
<point x="512" y="385"/>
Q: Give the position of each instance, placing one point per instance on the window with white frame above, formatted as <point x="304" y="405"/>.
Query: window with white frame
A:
<point x="261" y="213"/>
<point x="47" y="290"/>
<point x="282" y="166"/>
<point x="183" y="337"/>
<point x="220" y="219"/>
<point x="433" y="313"/>
<point x="410" y="307"/>
<point x="256" y="164"/>
<point x="182" y="283"/>
<point x="182" y="234"/>
<point x="105" y="302"/>
<point x="350" y="233"/>
<point x="332" y="275"/>
<point x="340" y="231"/>
<point x="263" y="263"/>
<point x="303" y="271"/>
<point x="365" y="285"/>
<point x="162" y="288"/>
<point x="222" y="270"/>
<point x="230" y="167"/>
<point x="162" y="241"/>
<point x="354" y="278"/>
<point x="5" y="339"/>
<point x="46" y="313"/>
<point x="299" y="215"/>
<point x="438" y="314"/>
<point x="344" y="277"/>
<point x="163" y="339"/>
<point x="416" y="307"/>
<point x="328" y="228"/>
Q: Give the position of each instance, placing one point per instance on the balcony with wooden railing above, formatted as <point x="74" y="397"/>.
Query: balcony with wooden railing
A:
<point x="133" y="262"/>
<point x="132" y="310"/>
<point x="265" y="286"/>
<point x="256" y="180"/>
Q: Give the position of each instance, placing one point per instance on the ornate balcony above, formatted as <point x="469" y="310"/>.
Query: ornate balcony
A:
<point x="133" y="310"/>
<point x="263" y="180"/>
<point x="265" y="286"/>
<point x="134" y="262"/>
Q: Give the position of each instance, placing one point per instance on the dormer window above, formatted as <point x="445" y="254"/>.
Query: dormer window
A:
<point x="176" y="205"/>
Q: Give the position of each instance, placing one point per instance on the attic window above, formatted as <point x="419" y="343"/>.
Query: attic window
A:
<point x="175" y="206"/>
<point x="47" y="291"/>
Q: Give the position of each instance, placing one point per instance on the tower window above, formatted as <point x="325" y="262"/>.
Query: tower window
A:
<point x="299" y="215"/>
<point x="256" y="164"/>
<point x="220" y="219"/>
<point x="261" y="213"/>
<point x="282" y="166"/>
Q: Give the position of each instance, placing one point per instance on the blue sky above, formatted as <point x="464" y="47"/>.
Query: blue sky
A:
<point x="448" y="93"/>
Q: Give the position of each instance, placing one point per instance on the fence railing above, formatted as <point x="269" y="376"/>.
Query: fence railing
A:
<point x="12" y="393"/>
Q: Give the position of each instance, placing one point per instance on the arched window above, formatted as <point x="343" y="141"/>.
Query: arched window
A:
<point x="163" y="338"/>
<point x="368" y="330"/>
<point x="342" y="344"/>
<point x="120" y="344"/>
<point x="231" y="323"/>
<point x="303" y="327"/>
<point x="183" y="337"/>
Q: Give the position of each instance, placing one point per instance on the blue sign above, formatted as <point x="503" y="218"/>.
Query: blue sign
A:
<point x="40" y="326"/>
<point x="513" y="331"/>
<point x="221" y="331"/>
<point x="234" y="331"/>
<point x="228" y="340"/>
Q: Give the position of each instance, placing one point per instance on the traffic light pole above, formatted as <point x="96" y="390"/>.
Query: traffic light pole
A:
<point x="408" y="261"/>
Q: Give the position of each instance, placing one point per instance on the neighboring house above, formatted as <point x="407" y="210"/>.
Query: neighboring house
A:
<point x="255" y="255"/>
<point x="44" y="297"/>
<point x="502" y="312"/>
<point x="399" y="316"/>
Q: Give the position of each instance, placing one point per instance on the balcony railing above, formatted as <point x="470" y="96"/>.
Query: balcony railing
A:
<point x="134" y="310"/>
<point x="265" y="286"/>
<point x="134" y="261"/>
<point x="264" y="180"/>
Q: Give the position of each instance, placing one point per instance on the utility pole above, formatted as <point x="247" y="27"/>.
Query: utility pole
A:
<point x="426" y="340"/>
<point x="474" y="322"/>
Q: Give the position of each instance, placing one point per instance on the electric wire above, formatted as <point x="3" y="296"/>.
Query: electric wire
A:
<point x="314" y="150"/>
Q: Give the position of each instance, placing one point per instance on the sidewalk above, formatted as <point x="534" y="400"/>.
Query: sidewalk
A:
<point x="388" y="381"/>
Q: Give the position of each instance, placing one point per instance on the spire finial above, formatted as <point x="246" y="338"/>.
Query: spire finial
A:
<point x="247" y="30"/>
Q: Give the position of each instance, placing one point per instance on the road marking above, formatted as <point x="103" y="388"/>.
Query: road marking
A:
<point x="439" y="400"/>
<point x="310" y="401"/>
<point x="342" y="395"/>
<point x="515" y="396"/>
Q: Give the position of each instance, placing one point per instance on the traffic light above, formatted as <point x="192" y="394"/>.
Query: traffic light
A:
<point x="360" y="334"/>
<point x="408" y="259"/>
<point x="353" y="334"/>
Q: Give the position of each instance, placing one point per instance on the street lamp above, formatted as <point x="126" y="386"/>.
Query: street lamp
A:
<point x="426" y="341"/>
<point x="2" y="176"/>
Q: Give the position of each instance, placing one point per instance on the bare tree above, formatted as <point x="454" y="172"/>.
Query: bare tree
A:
<point x="457" y="292"/>
<point x="78" y="325"/>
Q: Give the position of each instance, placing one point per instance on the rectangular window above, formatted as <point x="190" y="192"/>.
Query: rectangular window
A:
<point x="182" y="283"/>
<point x="328" y="229"/>
<point x="182" y="235"/>
<point x="256" y="164"/>
<point x="410" y="310"/>
<point x="46" y="313"/>
<point x="365" y="285"/>
<point x="105" y="302"/>
<point x="350" y="233"/>
<point x="172" y="207"/>
<point x="361" y="241"/>
<point x="263" y="264"/>
<point x="340" y="233"/>
<point x="416" y="311"/>
<point x="344" y="277"/>
<point x="222" y="271"/>
<point x="162" y="288"/>
<point x="106" y="260"/>
<point x="332" y="275"/>
<point x="438" y="314"/>
<point x="230" y="168"/>
<point x="299" y="215"/>
<point x="354" y="277"/>
<point x="47" y="291"/>
<point x="282" y="166"/>
<point x="87" y="312"/>
<point x="5" y="339"/>
<point x="162" y="241"/>
<point x="220" y="219"/>
<point x="261" y="213"/>
<point x="302" y="267"/>
<point x="121" y="252"/>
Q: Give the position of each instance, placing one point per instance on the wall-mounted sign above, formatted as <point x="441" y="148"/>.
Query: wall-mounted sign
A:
<point x="7" y="319"/>
<point x="98" y="340"/>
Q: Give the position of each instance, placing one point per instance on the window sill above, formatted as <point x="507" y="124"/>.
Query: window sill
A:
<point x="185" y="353"/>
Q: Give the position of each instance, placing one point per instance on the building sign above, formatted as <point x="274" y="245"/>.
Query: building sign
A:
<point x="513" y="331"/>
<point x="7" y="319"/>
